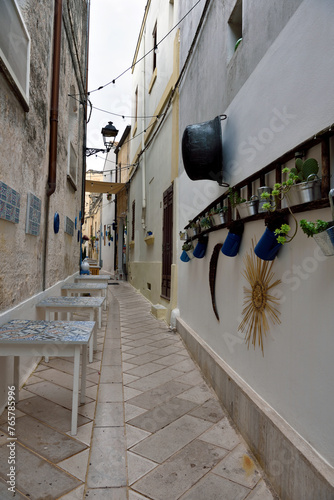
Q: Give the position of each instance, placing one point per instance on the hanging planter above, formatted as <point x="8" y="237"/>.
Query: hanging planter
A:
<point x="231" y="245"/>
<point x="274" y="236"/>
<point x="201" y="247"/>
<point x="322" y="232"/>
<point x="187" y="252"/>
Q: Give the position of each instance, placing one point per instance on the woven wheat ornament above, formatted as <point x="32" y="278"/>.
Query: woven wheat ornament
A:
<point x="259" y="304"/>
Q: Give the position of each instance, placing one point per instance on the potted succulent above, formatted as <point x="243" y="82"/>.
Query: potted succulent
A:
<point x="274" y="236"/>
<point x="205" y="222"/>
<point x="192" y="229"/>
<point x="232" y="242"/>
<point x="306" y="183"/>
<point x="187" y="252"/>
<point x="322" y="232"/>
<point x="277" y="228"/>
<point x="248" y="208"/>
<point x="217" y="215"/>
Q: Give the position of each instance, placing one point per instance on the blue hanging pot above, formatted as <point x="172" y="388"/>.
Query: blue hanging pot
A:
<point x="268" y="247"/>
<point x="231" y="244"/>
<point x="184" y="256"/>
<point x="201" y="247"/>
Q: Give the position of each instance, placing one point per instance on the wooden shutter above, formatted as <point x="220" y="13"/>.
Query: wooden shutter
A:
<point x="167" y="242"/>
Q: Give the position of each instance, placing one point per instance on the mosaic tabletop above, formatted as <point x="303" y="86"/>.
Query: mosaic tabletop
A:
<point x="85" y="286"/>
<point x="44" y="332"/>
<point x="92" y="277"/>
<point x="72" y="302"/>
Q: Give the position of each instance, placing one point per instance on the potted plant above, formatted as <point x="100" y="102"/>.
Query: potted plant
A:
<point x="217" y="215"/>
<point x="205" y="222"/>
<point x="187" y="252"/>
<point x="232" y="242"/>
<point x="274" y="236"/>
<point x="192" y="229"/>
<point x="201" y="246"/>
<point x="248" y="208"/>
<point x="322" y="232"/>
<point x="277" y="228"/>
<point x="235" y="199"/>
<point x="306" y="183"/>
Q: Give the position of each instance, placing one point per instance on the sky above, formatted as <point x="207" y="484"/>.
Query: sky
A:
<point x="114" y="30"/>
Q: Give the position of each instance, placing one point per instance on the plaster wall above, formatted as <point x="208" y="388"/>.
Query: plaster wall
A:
<point x="281" y="97"/>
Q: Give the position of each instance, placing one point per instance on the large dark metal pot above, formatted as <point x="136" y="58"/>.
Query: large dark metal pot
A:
<point x="202" y="150"/>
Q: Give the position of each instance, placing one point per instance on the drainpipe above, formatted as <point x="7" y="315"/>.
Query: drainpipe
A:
<point x="143" y="170"/>
<point x="54" y="98"/>
<point x="51" y="186"/>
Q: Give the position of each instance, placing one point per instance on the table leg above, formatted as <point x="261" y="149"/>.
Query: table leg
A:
<point x="75" y="395"/>
<point x="83" y="374"/>
<point x="92" y="338"/>
<point x="105" y="299"/>
<point x="17" y="377"/>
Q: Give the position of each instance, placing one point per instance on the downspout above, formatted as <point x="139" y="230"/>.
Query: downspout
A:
<point x="143" y="170"/>
<point x="51" y="186"/>
<point x="55" y="99"/>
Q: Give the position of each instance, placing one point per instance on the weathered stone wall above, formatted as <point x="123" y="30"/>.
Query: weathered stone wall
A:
<point x="24" y="154"/>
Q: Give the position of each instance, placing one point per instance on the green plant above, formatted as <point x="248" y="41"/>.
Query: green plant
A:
<point x="234" y="197"/>
<point x="303" y="169"/>
<point x="187" y="246"/>
<point x="205" y="223"/>
<point x="192" y="224"/>
<point x="311" y="228"/>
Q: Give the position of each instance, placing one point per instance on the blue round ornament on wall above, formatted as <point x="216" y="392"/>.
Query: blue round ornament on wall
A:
<point x="56" y="223"/>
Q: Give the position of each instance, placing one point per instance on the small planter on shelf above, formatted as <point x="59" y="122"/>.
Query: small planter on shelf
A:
<point x="205" y="223"/>
<point x="217" y="216"/>
<point x="193" y="229"/>
<point x="322" y="232"/>
<point x="232" y="242"/>
<point x="307" y="185"/>
<point x="248" y="208"/>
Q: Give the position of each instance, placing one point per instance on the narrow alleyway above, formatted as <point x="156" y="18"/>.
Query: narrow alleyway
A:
<point x="150" y="429"/>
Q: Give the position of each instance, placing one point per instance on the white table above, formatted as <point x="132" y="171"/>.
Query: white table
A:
<point x="99" y="289"/>
<point x="55" y="305"/>
<point x="43" y="338"/>
<point x="92" y="278"/>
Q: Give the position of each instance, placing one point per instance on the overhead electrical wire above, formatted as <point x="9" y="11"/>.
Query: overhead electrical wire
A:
<point x="143" y="57"/>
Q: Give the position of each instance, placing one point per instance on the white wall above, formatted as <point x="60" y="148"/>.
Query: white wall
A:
<point x="293" y="78"/>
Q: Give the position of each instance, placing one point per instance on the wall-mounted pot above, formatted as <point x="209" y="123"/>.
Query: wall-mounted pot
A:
<point x="202" y="150"/>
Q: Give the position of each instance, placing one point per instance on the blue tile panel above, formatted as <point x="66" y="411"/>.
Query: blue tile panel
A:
<point x="69" y="226"/>
<point x="45" y="332"/>
<point x="9" y="203"/>
<point x="71" y="302"/>
<point x="33" y="221"/>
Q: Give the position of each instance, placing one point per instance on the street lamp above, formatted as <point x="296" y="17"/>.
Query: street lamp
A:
<point x="108" y="132"/>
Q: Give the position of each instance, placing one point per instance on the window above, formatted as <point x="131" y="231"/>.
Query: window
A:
<point x="155" y="47"/>
<point x="133" y="221"/>
<point x="167" y="242"/>
<point x="235" y="29"/>
<point x="15" y="49"/>
<point x="72" y="156"/>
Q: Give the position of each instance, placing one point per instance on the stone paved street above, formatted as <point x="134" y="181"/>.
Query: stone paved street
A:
<point x="150" y="429"/>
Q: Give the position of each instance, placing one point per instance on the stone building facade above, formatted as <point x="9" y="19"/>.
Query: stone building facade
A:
<point x="43" y="61"/>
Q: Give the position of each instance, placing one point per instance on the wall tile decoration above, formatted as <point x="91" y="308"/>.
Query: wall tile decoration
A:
<point x="9" y="203"/>
<point x="33" y="220"/>
<point x="69" y="226"/>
